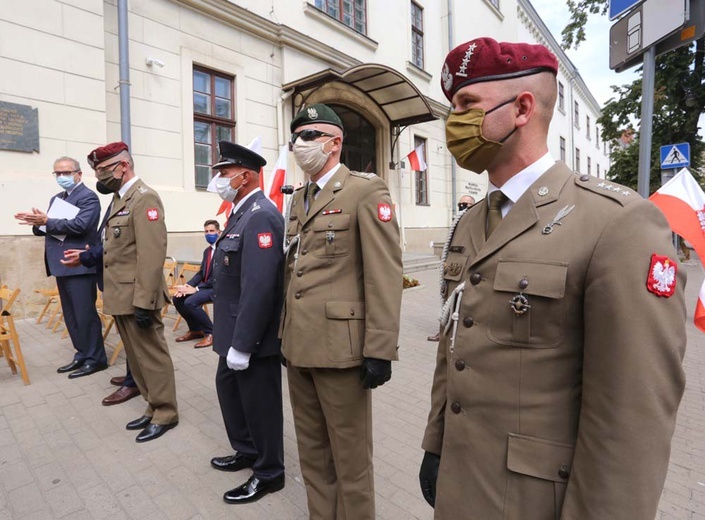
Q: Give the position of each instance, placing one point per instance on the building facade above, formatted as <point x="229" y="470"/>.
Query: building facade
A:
<point x="205" y="70"/>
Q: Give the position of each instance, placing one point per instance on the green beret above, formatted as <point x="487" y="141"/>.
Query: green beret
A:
<point x="318" y="113"/>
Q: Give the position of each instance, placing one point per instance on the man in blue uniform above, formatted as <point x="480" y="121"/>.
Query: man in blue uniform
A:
<point x="247" y="295"/>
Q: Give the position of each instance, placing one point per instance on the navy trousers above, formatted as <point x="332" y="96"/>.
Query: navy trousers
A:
<point x="78" y="295"/>
<point x="190" y="309"/>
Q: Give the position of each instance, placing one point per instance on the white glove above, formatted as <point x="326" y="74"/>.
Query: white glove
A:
<point x="237" y="360"/>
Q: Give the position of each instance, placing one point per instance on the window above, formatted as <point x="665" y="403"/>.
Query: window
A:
<point x="597" y="137"/>
<point x="213" y="118"/>
<point x="577" y="160"/>
<point x="561" y="97"/>
<point x="589" y="166"/>
<point x="352" y="13"/>
<point x="587" y="127"/>
<point x="416" y="35"/>
<point x="421" y="178"/>
<point x="604" y="147"/>
<point x="597" y="165"/>
<point x="495" y="3"/>
<point x="576" y="117"/>
<point x="563" y="149"/>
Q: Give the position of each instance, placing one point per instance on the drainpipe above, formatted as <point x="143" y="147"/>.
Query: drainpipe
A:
<point x="280" y="118"/>
<point x="124" y="83"/>
<point x="571" y="111"/>
<point x="453" y="172"/>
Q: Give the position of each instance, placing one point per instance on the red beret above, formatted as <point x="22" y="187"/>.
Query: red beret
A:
<point x="103" y="153"/>
<point x="485" y="59"/>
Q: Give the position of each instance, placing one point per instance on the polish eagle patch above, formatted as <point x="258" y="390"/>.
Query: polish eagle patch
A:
<point x="384" y="212"/>
<point x="152" y="214"/>
<point x="265" y="240"/>
<point x="662" y="276"/>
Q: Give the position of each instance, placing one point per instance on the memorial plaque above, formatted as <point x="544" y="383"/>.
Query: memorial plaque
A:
<point x="19" y="127"/>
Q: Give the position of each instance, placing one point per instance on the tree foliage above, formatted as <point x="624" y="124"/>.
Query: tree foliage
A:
<point x="679" y="101"/>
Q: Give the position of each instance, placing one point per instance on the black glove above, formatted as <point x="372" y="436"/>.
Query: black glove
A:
<point x="428" y="475"/>
<point x="143" y="317"/>
<point x="375" y="372"/>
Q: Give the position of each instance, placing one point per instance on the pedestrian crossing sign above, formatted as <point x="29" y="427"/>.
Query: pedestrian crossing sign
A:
<point x="675" y="156"/>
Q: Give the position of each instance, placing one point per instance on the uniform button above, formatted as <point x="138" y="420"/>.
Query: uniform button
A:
<point x="455" y="407"/>
<point x="304" y="251"/>
<point x="330" y="224"/>
<point x="299" y="273"/>
<point x="584" y="178"/>
<point x="305" y="231"/>
<point x="352" y="312"/>
<point x="564" y="472"/>
<point x="523" y="283"/>
<point x="459" y="364"/>
<point x="475" y="278"/>
<point x="297" y="296"/>
<point x="468" y="322"/>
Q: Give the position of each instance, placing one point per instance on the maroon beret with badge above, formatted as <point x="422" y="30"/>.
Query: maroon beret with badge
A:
<point x="485" y="59"/>
<point x="103" y="153"/>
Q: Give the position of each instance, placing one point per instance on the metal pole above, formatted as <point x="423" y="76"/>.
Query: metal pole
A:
<point x="647" y="114"/>
<point x="124" y="50"/>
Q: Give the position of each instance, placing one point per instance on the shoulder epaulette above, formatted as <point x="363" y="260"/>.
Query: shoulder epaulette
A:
<point x="363" y="175"/>
<point x="608" y="189"/>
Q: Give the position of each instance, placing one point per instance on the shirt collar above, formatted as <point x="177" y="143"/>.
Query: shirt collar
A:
<point x="239" y="204"/>
<point x="324" y="180"/>
<point x="71" y="190"/>
<point x="127" y="186"/>
<point x="515" y="187"/>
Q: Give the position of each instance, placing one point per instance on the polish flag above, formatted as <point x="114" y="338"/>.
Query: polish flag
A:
<point x="682" y="201"/>
<point x="277" y="179"/>
<point x="416" y="159"/>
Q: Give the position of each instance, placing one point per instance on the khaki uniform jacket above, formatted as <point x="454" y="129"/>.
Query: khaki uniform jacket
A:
<point x="134" y="250"/>
<point x="566" y="411"/>
<point x="343" y="278"/>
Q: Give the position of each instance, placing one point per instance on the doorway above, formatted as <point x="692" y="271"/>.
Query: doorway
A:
<point x="360" y="143"/>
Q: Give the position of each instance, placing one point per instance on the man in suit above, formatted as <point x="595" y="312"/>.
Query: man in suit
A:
<point x="135" y="290"/>
<point x="340" y="325"/>
<point x="248" y="298"/>
<point x="77" y="287"/>
<point x="93" y="258"/>
<point x="190" y="297"/>
<point x="559" y="372"/>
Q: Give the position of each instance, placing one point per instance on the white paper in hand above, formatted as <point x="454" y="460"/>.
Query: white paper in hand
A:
<point x="61" y="209"/>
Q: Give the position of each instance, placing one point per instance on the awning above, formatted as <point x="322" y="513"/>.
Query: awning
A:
<point x="398" y="97"/>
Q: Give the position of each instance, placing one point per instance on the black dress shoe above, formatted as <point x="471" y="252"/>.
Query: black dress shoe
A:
<point x="253" y="490"/>
<point x="88" y="369"/>
<point x="154" y="431"/>
<point x="233" y="462"/>
<point x="139" y="424"/>
<point x="70" y="367"/>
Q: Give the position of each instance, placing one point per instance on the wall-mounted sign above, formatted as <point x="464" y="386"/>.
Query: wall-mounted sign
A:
<point x="19" y="127"/>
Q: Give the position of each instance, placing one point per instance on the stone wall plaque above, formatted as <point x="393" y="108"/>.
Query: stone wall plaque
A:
<point x="19" y="127"/>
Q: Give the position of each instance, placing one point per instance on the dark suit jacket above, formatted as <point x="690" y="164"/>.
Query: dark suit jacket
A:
<point x="79" y="231"/>
<point x="248" y="279"/>
<point x="199" y="279"/>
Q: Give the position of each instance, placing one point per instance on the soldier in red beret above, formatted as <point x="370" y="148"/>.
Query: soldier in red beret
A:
<point x="134" y="249"/>
<point x="559" y="368"/>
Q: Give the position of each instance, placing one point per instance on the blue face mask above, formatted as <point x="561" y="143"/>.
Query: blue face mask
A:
<point x="211" y="237"/>
<point x="66" y="181"/>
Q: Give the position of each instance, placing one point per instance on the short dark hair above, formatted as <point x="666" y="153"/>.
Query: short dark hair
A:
<point x="212" y="223"/>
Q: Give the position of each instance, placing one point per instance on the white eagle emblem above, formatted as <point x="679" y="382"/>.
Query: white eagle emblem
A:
<point x="446" y="77"/>
<point x="384" y="212"/>
<point x="152" y="214"/>
<point x="664" y="275"/>
<point x="312" y="113"/>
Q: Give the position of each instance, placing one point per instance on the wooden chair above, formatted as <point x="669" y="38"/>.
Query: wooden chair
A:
<point x="9" y="340"/>
<point x="191" y="269"/>
<point x="52" y="296"/>
<point x="108" y="322"/>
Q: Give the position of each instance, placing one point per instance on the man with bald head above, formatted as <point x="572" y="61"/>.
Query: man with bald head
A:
<point x="134" y="248"/>
<point x="559" y="372"/>
<point x="341" y="320"/>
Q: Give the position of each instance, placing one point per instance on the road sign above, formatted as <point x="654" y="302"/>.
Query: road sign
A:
<point x="675" y="156"/>
<point x="619" y="7"/>
<point x="644" y="26"/>
<point x="694" y="29"/>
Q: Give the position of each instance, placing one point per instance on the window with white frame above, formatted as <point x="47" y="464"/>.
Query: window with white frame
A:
<point x="576" y="115"/>
<point x="587" y="127"/>
<point x="589" y="166"/>
<point x="563" y="149"/>
<point x="417" y="35"/>
<point x="561" y="97"/>
<point x="421" y="178"/>
<point x="577" y="160"/>
<point x="352" y="13"/>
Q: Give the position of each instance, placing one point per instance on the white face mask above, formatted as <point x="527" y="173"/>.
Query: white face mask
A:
<point x="224" y="190"/>
<point x="310" y="156"/>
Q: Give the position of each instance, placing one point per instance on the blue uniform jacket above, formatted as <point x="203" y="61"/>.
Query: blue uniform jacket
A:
<point x="79" y="231"/>
<point x="247" y="280"/>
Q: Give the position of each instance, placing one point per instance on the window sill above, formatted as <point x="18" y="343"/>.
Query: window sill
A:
<point x="418" y="72"/>
<point x="426" y="204"/>
<point x="314" y="12"/>
<point x="495" y="10"/>
<point x="561" y="110"/>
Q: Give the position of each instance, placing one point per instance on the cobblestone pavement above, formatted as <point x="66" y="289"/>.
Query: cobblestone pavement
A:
<point x="65" y="456"/>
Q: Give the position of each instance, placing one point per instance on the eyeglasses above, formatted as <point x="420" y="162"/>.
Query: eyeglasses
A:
<point x="65" y="173"/>
<point x="308" y="135"/>
<point x="463" y="205"/>
<point x="107" y="167"/>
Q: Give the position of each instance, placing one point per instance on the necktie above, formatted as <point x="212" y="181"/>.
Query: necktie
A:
<point x="311" y="195"/>
<point x="494" y="215"/>
<point x="209" y="259"/>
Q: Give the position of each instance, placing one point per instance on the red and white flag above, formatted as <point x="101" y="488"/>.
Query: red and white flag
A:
<point x="417" y="159"/>
<point x="277" y="180"/>
<point x="682" y="201"/>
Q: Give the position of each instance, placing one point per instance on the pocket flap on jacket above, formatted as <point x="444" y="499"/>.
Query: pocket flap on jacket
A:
<point x="331" y="222"/>
<point x="541" y="278"/>
<point x="539" y="458"/>
<point x="345" y="310"/>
